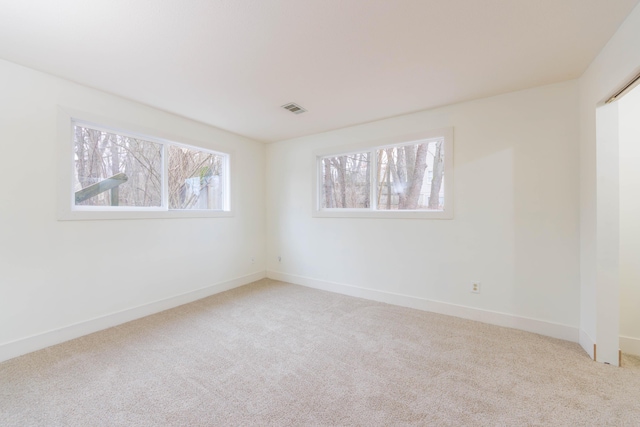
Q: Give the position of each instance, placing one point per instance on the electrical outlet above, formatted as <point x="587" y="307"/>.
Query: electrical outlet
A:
<point x="279" y="259"/>
<point x="253" y="260"/>
<point x="475" y="287"/>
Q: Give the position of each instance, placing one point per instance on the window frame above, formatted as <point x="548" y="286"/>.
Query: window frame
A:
<point x="372" y="147"/>
<point x="68" y="210"/>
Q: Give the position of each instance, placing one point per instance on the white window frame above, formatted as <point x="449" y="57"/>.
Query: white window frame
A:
<point x="372" y="146"/>
<point x="67" y="208"/>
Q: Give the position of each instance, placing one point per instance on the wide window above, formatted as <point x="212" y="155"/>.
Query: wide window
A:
<point x="117" y="171"/>
<point x="402" y="177"/>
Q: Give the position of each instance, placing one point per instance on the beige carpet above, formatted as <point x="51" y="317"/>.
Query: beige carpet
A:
<point x="272" y="353"/>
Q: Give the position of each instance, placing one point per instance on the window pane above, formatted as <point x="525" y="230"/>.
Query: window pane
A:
<point x="346" y="181"/>
<point x="195" y="179"/>
<point x="116" y="170"/>
<point x="411" y="177"/>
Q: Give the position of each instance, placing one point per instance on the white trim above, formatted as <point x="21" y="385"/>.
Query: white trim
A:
<point x="372" y="146"/>
<point x="630" y="345"/>
<point x="36" y="342"/>
<point x="607" y="234"/>
<point x="87" y="215"/>
<point x="397" y="214"/>
<point x="587" y="343"/>
<point x="542" y="327"/>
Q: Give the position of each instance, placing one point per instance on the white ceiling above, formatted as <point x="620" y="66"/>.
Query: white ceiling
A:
<point x="233" y="63"/>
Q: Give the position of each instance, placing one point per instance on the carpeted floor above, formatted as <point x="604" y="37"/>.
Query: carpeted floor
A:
<point x="272" y="353"/>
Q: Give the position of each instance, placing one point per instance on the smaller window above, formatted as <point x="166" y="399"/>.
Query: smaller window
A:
<point x="196" y="179"/>
<point x="411" y="176"/>
<point x="346" y="181"/>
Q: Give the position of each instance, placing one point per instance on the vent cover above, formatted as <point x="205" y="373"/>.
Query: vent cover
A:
<point x="294" y="108"/>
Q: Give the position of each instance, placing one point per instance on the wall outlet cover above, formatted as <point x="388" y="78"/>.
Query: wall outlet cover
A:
<point x="475" y="287"/>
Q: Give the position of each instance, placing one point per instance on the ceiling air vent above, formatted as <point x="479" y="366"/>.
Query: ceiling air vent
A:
<point x="294" y="108"/>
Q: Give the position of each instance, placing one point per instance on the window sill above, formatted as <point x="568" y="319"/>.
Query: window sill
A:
<point x="88" y="215"/>
<point x="352" y="213"/>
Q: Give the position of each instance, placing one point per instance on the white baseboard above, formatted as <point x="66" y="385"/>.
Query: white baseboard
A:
<point x="36" y="342"/>
<point x="587" y="343"/>
<point x="630" y="345"/>
<point x="541" y="327"/>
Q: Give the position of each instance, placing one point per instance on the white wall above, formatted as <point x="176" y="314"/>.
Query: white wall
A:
<point x="54" y="274"/>
<point x="629" y="116"/>
<point x="618" y="61"/>
<point x="516" y="215"/>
